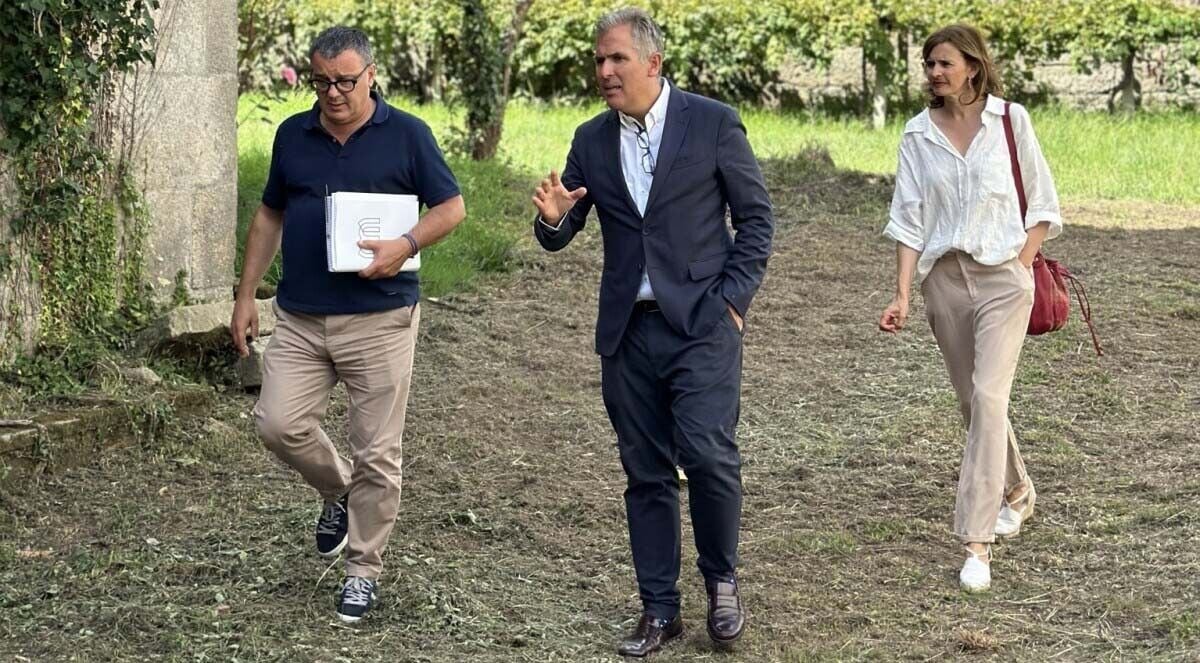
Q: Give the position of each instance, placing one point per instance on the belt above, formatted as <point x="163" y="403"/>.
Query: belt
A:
<point x="646" y="306"/>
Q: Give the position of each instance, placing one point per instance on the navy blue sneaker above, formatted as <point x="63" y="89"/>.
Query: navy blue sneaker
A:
<point x="331" y="527"/>
<point x="357" y="597"/>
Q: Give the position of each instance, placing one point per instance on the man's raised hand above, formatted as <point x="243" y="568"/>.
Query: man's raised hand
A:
<point x="553" y="200"/>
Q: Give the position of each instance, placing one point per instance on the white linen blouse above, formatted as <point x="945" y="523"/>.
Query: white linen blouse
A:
<point x="945" y="201"/>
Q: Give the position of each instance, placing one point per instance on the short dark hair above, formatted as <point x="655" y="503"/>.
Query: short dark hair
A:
<point x="338" y="39"/>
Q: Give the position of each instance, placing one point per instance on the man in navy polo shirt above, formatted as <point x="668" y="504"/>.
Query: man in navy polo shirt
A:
<point x="357" y="328"/>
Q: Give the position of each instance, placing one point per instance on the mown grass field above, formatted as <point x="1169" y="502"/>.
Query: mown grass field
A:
<point x="511" y="542"/>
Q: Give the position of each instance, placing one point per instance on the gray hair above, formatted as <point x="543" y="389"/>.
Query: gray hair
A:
<point x="647" y="37"/>
<point x="339" y="39"/>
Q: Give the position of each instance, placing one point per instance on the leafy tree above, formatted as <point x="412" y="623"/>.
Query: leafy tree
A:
<point x="1122" y="31"/>
<point x="733" y="50"/>
<point x="487" y="72"/>
<point x="557" y="62"/>
<point x="882" y="29"/>
<point x="1021" y="34"/>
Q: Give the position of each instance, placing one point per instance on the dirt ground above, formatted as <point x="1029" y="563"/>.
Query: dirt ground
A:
<point x="511" y="543"/>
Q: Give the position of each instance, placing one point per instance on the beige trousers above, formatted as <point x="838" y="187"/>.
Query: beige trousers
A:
<point x="372" y="353"/>
<point x="979" y="314"/>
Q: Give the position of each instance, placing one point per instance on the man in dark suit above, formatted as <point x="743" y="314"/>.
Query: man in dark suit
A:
<point x="662" y="167"/>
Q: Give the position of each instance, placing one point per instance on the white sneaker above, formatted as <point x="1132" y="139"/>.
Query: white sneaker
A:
<point x="976" y="574"/>
<point x="1008" y="523"/>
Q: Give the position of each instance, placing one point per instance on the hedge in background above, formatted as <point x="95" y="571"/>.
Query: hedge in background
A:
<point x="415" y="42"/>
<point x="731" y="49"/>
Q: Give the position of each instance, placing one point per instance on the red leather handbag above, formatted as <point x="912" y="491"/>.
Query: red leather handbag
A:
<point x="1051" y="300"/>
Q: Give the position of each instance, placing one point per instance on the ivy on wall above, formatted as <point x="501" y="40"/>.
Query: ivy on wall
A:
<point x="59" y="62"/>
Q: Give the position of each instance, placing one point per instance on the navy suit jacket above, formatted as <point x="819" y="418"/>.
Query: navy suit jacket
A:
<point x="705" y="168"/>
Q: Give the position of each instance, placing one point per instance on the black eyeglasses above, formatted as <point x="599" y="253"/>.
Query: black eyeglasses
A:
<point x="344" y="85"/>
<point x="643" y="141"/>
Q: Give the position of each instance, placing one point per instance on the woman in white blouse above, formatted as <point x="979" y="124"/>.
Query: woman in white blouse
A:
<point x="957" y="224"/>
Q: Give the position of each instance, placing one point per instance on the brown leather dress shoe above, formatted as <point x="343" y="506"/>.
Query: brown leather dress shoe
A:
<point x="650" y="635"/>
<point x="726" y="617"/>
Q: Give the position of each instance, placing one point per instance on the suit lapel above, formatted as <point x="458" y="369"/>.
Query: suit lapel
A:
<point x="612" y="148"/>
<point x="673" y="134"/>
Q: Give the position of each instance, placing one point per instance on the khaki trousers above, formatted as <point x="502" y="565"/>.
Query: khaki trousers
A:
<point x="979" y="314"/>
<point x="372" y="353"/>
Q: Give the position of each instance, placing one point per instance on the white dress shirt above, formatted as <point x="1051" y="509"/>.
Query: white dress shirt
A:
<point x="945" y="201"/>
<point x="635" y="163"/>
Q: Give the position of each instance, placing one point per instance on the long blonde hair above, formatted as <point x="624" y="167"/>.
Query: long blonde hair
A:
<point x="971" y="44"/>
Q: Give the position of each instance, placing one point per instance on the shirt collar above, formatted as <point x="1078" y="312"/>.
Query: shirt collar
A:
<point x="382" y="111"/>
<point x="923" y="124"/>
<point x="994" y="105"/>
<point x="657" y="112"/>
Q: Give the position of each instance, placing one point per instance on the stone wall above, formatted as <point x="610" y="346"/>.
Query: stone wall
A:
<point x="814" y="87"/>
<point x="20" y="297"/>
<point x="181" y="129"/>
<point x="175" y="126"/>
<point x="1092" y="91"/>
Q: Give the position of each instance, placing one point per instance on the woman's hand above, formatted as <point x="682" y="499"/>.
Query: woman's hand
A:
<point x="1033" y="243"/>
<point x="895" y="316"/>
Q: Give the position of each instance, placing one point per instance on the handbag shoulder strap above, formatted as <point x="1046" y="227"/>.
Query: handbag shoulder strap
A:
<point x="1011" y="138"/>
<point x="1085" y="306"/>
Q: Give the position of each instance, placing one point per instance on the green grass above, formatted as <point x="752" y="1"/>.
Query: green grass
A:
<point x="1150" y="157"/>
<point x="1183" y="628"/>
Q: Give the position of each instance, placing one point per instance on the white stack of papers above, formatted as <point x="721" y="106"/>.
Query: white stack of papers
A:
<point x="352" y="217"/>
